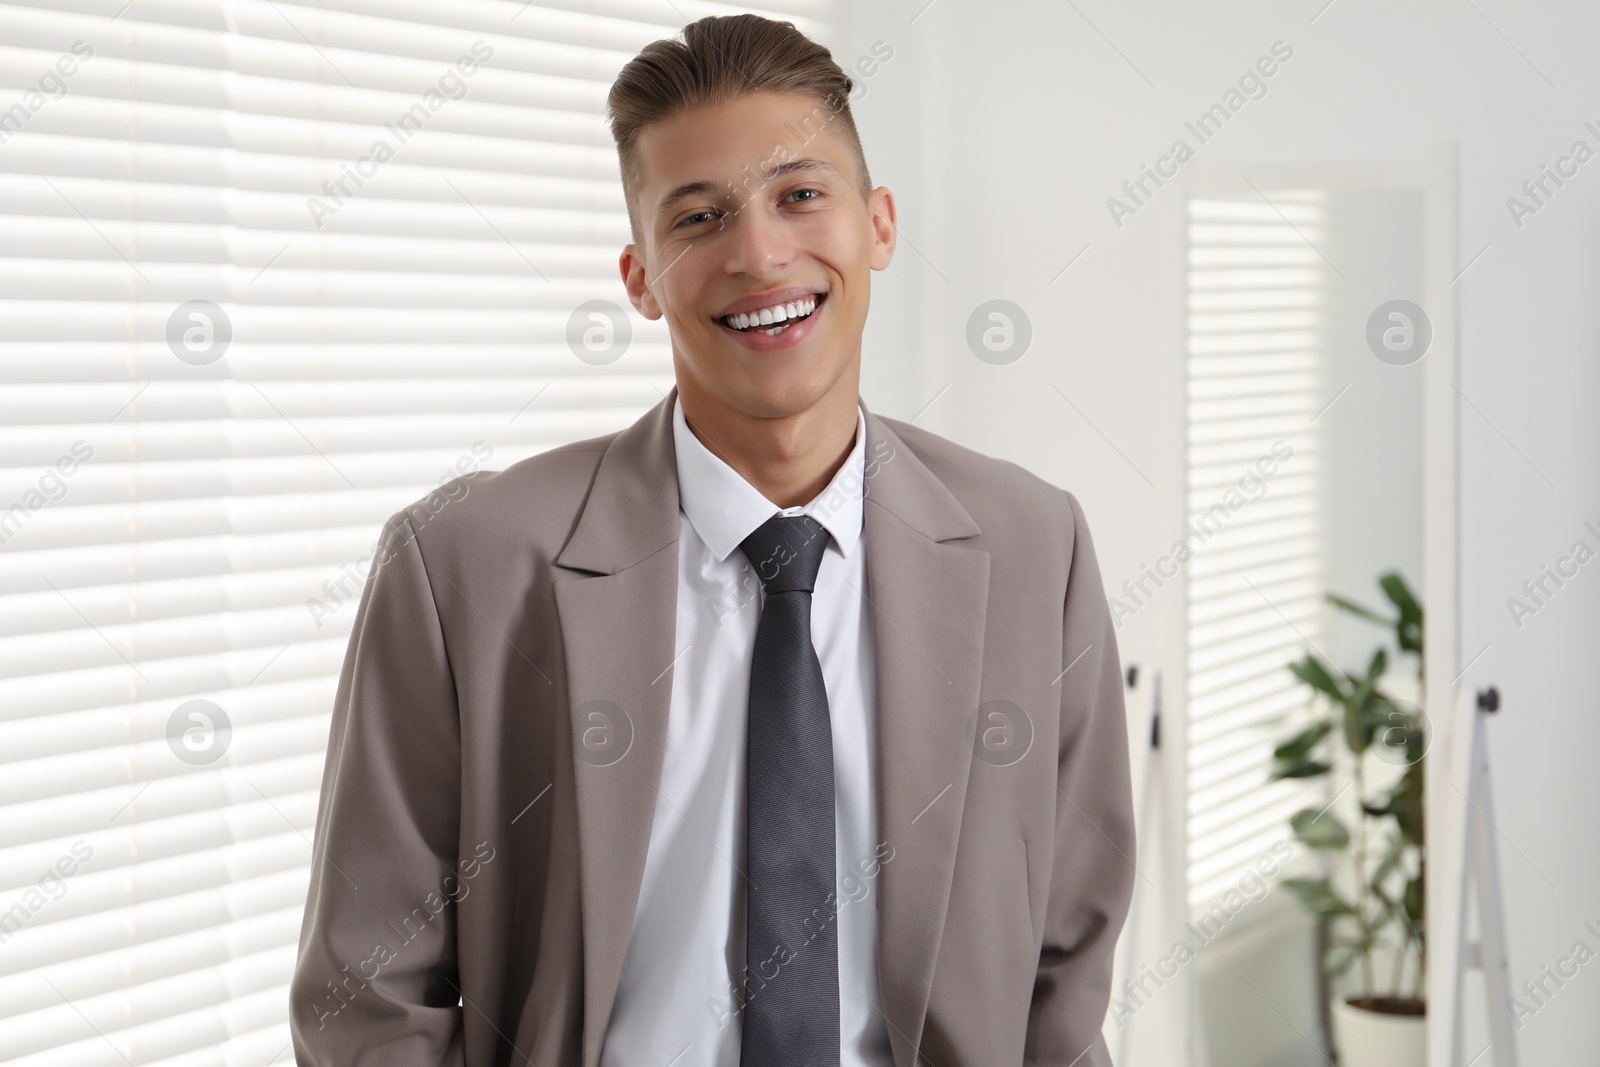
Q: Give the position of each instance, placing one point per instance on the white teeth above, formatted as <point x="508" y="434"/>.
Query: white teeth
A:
<point x="773" y="315"/>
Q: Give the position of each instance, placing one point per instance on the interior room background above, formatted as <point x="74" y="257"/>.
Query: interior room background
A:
<point x="270" y="271"/>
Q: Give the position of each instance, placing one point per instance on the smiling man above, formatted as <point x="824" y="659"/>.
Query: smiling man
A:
<point x="755" y="235"/>
<point x="766" y="732"/>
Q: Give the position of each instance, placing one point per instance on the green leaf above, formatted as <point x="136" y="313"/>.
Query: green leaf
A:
<point x="1356" y="609"/>
<point x="1397" y="730"/>
<point x="1390" y="861"/>
<point x="1322" y="830"/>
<point x="1408" y="629"/>
<point x="1308" y="769"/>
<point x="1380" y="660"/>
<point x="1385" y="913"/>
<point x="1292" y="750"/>
<point x="1358" y="728"/>
<point x="1414" y="900"/>
<point x="1364" y="715"/>
<point x="1318" y="896"/>
<point x="1400" y="595"/>
<point x="1316" y="674"/>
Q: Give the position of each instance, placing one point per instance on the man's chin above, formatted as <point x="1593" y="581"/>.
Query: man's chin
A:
<point x="776" y="396"/>
<point x="764" y="385"/>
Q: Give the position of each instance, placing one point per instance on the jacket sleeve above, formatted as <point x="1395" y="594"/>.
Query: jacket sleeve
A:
<point x="375" y="980"/>
<point x="1092" y="872"/>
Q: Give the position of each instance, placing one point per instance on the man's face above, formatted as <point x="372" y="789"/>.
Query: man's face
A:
<point x="723" y="234"/>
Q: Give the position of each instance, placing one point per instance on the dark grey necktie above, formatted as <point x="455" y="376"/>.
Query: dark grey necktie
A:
<point x="791" y="983"/>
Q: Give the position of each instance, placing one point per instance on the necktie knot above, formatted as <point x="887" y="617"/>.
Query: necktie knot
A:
<point x="786" y="552"/>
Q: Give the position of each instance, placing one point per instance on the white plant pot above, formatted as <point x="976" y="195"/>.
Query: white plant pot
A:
<point x="1377" y="1039"/>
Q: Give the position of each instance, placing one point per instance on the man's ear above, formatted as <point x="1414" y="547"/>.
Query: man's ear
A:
<point x="880" y="202"/>
<point x="636" y="280"/>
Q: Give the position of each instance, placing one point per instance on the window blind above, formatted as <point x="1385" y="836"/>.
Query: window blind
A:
<point x="1254" y="331"/>
<point x="268" y="272"/>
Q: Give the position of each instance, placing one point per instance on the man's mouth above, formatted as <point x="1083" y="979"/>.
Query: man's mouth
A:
<point x="777" y="318"/>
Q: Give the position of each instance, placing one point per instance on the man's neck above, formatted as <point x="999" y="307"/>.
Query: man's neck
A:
<point x="789" y="460"/>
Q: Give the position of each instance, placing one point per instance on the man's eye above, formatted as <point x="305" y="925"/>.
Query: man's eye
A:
<point x="797" y="192"/>
<point x="696" y="218"/>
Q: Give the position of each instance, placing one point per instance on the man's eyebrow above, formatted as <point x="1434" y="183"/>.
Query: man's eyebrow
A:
<point x="794" y="166"/>
<point x="705" y="187"/>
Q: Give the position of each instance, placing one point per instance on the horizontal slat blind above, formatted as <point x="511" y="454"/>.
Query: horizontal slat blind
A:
<point x="1255" y="316"/>
<point x="194" y="529"/>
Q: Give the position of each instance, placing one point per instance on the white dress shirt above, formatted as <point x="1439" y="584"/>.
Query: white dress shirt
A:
<point x="677" y="1002"/>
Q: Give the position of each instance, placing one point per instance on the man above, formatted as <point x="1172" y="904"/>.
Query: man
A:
<point x="767" y="731"/>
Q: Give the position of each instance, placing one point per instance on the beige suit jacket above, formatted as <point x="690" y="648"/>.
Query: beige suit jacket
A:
<point x="499" y="729"/>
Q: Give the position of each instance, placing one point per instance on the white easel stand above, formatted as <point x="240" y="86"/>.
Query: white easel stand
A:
<point x="1481" y="857"/>
<point x="1148" y="816"/>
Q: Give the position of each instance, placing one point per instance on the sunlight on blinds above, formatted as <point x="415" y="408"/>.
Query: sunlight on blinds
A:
<point x="1255" y="315"/>
<point x="269" y="272"/>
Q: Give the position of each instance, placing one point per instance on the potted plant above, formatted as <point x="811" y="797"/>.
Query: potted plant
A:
<point x="1376" y="870"/>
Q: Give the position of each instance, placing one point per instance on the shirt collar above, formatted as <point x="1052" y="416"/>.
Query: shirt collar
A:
<point x="725" y="509"/>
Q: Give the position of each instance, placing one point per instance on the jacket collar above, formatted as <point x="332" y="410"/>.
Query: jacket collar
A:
<point x="724" y="508"/>
<point x="632" y="511"/>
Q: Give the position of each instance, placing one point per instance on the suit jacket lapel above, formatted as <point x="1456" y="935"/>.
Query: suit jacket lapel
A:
<point x="619" y="623"/>
<point x="928" y="594"/>
<point x="618" y="628"/>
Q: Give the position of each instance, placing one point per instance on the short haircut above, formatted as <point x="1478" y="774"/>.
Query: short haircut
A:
<point x="718" y="59"/>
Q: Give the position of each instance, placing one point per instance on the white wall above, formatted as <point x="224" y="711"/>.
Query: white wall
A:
<point x="1004" y="127"/>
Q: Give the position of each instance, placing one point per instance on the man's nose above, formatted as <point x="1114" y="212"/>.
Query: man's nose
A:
<point x="761" y="241"/>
